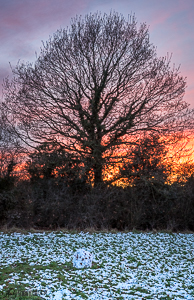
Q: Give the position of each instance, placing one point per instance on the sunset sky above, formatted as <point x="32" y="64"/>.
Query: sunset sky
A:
<point x="25" y="23"/>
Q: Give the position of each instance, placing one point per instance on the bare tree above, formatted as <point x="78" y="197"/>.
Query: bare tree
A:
<point x="7" y="152"/>
<point x="10" y="154"/>
<point x="95" y="86"/>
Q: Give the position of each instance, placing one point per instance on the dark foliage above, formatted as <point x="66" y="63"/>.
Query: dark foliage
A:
<point x="51" y="204"/>
<point x="58" y="194"/>
<point x="147" y="160"/>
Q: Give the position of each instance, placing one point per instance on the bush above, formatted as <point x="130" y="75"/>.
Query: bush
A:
<point x="51" y="204"/>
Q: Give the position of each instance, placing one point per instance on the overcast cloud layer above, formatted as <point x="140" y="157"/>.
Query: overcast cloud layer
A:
<point x="25" y="23"/>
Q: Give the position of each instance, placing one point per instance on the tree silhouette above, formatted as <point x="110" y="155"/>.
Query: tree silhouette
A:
<point x="93" y="87"/>
<point x="148" y="160"/>
<point x="50" y="160"/>
<point x="10" y="152"/>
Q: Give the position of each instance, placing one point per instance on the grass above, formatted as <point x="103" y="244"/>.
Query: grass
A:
<point x="133" y="265"/>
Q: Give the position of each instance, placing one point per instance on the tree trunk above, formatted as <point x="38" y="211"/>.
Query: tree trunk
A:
<point x="98" y="165"/>
<point x="98" y="174"/>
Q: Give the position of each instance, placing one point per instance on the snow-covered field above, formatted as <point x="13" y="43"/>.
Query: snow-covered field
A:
<point x="126" y="266"/>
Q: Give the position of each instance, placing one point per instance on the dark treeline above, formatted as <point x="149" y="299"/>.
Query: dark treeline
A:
<point x="53" y="200"/>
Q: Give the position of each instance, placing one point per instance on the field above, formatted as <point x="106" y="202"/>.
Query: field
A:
<point x="126" y="266"/>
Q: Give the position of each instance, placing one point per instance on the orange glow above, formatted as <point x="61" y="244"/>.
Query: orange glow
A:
<point x="180" y="165"/>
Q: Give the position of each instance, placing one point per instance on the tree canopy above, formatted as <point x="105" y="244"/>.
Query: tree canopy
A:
<point x="94" y="87"/>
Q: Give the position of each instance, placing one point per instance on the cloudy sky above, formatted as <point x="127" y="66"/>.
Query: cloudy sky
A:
<point x="25" y="23"/>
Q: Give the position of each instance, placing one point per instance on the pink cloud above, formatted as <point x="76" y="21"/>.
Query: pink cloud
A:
<point x="24" y="24"/>
<point x="25" y="17"/>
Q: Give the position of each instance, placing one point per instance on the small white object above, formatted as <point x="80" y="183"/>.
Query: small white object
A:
<point x="58" y="295"/>
<point x="82" y="259"/>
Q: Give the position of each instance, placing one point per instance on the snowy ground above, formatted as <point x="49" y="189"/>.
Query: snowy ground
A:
<point x="126" y="266"/>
